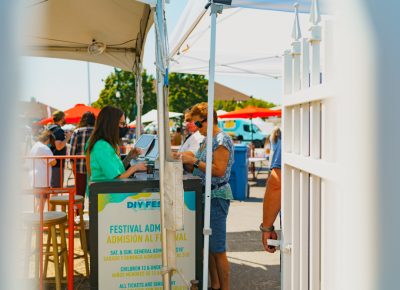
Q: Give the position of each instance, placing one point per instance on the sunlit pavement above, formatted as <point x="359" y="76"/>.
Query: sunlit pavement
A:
<point x="251" y="266"/>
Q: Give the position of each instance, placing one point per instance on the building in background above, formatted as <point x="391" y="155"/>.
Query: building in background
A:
<point x="34" y="111"/>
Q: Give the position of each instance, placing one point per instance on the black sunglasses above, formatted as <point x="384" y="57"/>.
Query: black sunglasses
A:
<point x="199" y="124"/>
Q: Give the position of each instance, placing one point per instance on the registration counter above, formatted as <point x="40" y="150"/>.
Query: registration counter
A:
<point x="125" y="235"/>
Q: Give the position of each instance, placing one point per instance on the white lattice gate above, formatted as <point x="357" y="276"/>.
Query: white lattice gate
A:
<point x="308" y="157"/>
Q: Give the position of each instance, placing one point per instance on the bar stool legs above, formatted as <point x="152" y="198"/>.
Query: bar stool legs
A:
<point x="46" y="260"/>
<point x="59" y="251"/>
<point x="32" y="233"/>
<point x="63" y="201"/>
<point x="64" y="256"/>
<point x="83" y="238"/>
<point x="56" y="258"/>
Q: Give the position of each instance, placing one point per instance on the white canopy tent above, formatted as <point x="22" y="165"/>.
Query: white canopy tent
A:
<point x="254" y="49"/>
<point x="101" y="31"/>
<point x="151" y="116"/>
<point x="107" y="32"/>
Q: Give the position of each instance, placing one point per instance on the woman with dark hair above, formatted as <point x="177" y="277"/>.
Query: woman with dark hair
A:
<point x="102" y="154"/>
<point x="87" y="120"/>
<point x="79" y="138"/>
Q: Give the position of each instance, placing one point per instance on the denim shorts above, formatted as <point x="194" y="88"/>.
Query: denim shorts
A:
<point x="218" y="215"/>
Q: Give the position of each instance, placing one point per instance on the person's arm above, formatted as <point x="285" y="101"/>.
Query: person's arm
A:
<point x="108" y="160"/>
<point x="126" y="161"/>
<point x="271" y="208"/>
<point x="219" y="165"/>
<point x="176" y="155"/>
<point x="50" y="161"/>
<point x="131" y="170"/>
<point x="133" y="154"/>
<point x="188" y="155"/>
<point x="60" y="144"/>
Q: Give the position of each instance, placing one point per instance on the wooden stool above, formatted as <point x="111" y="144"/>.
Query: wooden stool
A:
<point x="63" y="200"/>
<point x="50" y="220"/>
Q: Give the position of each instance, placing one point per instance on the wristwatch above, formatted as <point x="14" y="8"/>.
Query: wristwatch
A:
<point x="266" y="230"/>
<point x="196" y="163"/>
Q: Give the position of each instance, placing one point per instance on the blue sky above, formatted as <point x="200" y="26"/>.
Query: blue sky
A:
<point x="64" y="83"/>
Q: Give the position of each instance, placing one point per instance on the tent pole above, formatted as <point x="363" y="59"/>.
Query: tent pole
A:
<point x="162" y="71"/>
<point x="251" y="128"/>
<point x="88" y="78"/>
<point x="215" y="9"/>
<point x="139" y="98"/>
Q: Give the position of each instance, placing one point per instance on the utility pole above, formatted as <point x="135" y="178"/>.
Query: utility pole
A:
<point x="88" y="78"/>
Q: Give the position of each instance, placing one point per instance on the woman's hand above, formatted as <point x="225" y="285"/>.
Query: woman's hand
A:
<point x="140" y="167"/>
<point x="134" y="153"/>
<point x="188" y="158"/>
<point x="176" y="155"/>
<point x="131" y="170"/>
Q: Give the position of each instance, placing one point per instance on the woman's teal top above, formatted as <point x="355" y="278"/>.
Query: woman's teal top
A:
<point x="105" y="163"/>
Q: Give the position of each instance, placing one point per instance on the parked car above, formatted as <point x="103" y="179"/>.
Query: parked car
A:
<point x="240" y="129"/>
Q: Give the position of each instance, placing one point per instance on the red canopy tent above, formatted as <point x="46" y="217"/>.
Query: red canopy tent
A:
<point x="251" y="112"/>
<point x="73" y="115"/>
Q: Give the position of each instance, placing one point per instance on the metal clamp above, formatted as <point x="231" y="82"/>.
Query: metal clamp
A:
<point x="216" y="8"/>
<point x="207" y="232"/>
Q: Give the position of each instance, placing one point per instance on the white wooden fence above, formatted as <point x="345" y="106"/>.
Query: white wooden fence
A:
<point x="308" y="157"/>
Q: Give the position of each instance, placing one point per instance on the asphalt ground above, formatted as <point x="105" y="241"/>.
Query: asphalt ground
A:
<point x="251" y="266"/>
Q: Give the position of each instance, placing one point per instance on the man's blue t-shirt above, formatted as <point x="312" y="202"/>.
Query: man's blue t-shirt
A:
<point x="276" y="158"/>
